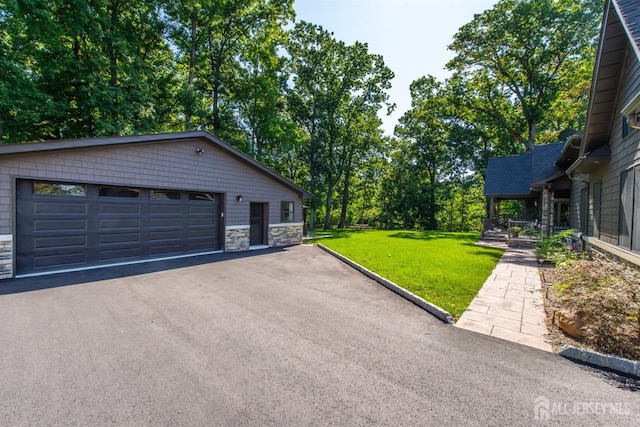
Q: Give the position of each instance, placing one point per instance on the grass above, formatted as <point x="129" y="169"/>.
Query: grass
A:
<point x="446" y="269"/>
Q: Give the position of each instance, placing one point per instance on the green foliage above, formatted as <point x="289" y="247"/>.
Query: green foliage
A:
<point x="517" y="60"/>
<point x="299" y="100"/>
<point x="557" y="248"/>
<point x="426" y="263"/>
<point x="335" y="95"/>
<point x="515" y="230"/>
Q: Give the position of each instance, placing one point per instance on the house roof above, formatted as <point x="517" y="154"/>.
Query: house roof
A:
<point x="620" y="27"/>
<point x="509" y="176"/>
<point x="544" y="166"/>
<point x="70" y="144"/>
<point x="514" y="176"/>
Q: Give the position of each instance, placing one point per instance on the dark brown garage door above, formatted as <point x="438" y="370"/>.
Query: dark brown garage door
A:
<point x="67" y="226"/>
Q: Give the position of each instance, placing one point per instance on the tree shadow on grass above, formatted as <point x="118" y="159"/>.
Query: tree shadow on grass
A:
<point x="434" y="235"/>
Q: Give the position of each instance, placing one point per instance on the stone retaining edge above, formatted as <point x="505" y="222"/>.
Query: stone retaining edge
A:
<point x="433" y="309"/>
<point x="609" y="362"/>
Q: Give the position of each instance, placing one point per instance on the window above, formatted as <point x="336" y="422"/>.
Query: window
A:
<point x="583" y="210"/>
<point x="130" y="193"/>
<point x="626" y="208"/>
<point x="164" y="195"/>
<point x="207" y="197"/>
<point x="59" y="189"/>
<point x="286" y="211"/>
<point x="626" y="129"/>
<point x="597" y="201"/>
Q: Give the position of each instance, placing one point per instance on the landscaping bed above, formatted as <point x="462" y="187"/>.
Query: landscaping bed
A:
<point x="596" y="299"/>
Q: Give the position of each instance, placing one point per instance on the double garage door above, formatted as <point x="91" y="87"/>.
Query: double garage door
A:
<point x="63" y="226"/>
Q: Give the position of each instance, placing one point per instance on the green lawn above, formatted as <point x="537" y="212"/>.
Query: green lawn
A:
<point x="446" y="269"/>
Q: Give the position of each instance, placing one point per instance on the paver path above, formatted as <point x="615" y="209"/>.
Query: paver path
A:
<point x="509" y="305"/>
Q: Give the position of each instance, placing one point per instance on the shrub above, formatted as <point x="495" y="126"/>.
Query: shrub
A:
<point x="515" y="230"/>
<point x="558" y="248"/>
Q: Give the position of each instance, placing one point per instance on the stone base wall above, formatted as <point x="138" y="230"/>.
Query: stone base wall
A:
<point x="285" y="234"/>
<point x="6" y="257"/>
<point x="236" y="239"/>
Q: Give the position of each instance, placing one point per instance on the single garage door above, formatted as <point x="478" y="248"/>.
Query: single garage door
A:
<point x="64" y="226"/>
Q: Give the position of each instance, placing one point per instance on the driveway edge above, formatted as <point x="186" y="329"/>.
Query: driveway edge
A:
<point x="433" y="309"/>
<point x="609" y="362"/>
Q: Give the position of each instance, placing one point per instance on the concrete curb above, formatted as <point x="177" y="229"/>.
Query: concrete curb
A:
<point x="426" y="305"/>
<point x="609" y="362"/>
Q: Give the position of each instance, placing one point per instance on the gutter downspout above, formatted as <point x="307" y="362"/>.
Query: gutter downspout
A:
<point x="573" y="167"/>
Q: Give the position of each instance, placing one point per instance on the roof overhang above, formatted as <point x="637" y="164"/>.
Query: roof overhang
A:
<point x="570" y="152"/>
<point x="586" y="163"/>
<point x="548" y="180"/>
<point x="618" y="32"/>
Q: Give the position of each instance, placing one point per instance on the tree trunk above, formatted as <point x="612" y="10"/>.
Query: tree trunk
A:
<point x="532" y="137"/>
<point x="327" y="215"/>
<point x="345" y="195"/>
<point x="431" y="214"/>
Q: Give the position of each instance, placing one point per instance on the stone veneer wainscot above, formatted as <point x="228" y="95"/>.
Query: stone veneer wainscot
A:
<point x="6" y="256"/>
<point x="285" y="234"/>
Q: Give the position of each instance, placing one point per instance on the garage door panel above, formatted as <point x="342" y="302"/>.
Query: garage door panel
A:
<point x="66" y="208"/>
<point x="166" y="249"/>
<point x="165" y="223"/>
<point x="120" y="208"/>
<point x="60" y="260"/>
<point x="166" y="235"/>
<point x="121" y="254"/>
<point x="105" y="225"/>
<point x="164" y="209"/>
<point x="119" y="223"/>
<point x="59" y="225"/>
<point x="119" y="238"/>
<point x="60" y="242"/>
<point x="204" y="245"/>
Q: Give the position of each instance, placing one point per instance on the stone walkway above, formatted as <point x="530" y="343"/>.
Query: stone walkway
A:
<point x="509" y="305"/>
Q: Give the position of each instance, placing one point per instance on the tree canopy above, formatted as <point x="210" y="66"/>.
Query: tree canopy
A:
<point x="296" y="98"/>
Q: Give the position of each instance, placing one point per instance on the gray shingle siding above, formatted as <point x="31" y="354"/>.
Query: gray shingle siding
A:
<point x="625" y="152"/>
<point x="165" y="165"/>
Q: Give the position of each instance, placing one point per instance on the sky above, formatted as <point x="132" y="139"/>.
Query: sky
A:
<point x="411" y="35"/>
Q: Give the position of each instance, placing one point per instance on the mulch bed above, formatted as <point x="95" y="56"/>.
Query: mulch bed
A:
<point x="606" y="293"/>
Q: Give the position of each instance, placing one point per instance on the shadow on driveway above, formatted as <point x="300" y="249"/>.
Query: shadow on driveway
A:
<point x="56" y="280"/>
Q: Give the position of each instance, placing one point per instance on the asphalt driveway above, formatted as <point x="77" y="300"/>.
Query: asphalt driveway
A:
<point x="280" y="337"/>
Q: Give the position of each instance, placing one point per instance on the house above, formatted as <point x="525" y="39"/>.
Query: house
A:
<point x="603" y="162"/>
<point x="533" y="179"/>
<point x="86" y="203"/>
<point x="605" y="193"/>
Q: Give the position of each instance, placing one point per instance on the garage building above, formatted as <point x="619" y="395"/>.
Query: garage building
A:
<point x="87" y="203"/>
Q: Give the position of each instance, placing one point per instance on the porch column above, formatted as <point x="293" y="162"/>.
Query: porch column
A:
<point x="547" y="211"/>
<point x="492" y="208"/>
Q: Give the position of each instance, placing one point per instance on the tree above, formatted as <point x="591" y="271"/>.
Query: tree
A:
<point x="98" y="68"/>
<point x="514" y="60"/>
<point x="212" y="37"/>
<point x="335" y="95"/>
<point x="424" y="127"/>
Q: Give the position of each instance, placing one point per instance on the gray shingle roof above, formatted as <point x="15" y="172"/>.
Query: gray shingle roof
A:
<point x="514" y="175"/>
<point x="508" y="176"/>
<point x="629" y="11"/>
<point x="544" y="161"/>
